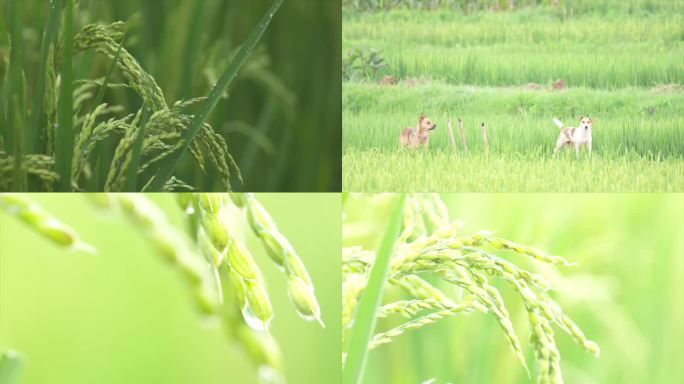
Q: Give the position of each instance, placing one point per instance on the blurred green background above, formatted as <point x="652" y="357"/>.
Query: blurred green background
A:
<point x="124" y="316"/>
<point x="626" y="293"/>
<point x="282" y="117"/>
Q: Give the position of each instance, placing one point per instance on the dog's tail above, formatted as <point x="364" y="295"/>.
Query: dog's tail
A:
<point x="558" y="123"/>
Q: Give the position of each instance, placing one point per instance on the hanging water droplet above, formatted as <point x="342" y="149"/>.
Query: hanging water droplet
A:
<point x="252" y="320"/>
<point x="269" y="375"/>
<point x="190" y="210"/>
<point x="306" y="317"/>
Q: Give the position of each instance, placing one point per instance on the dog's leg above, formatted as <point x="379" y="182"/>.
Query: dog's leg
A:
<point x="577" y="149"/>
<point x="559" y="145"/>
<point x="589" y="148"/>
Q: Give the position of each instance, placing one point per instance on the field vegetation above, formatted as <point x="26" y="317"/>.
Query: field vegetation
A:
<point x="514" y="68"/>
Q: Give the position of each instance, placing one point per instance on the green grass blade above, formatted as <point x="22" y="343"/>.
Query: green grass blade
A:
<point x="364" y="323"/>
<point x="167" y="167"/>
<point x="132" y="171"/>
<point x="11" y="363"/>
<point x="34" y="139"/>
<point x="64" y="143"/>
<point x="15" y="107"/>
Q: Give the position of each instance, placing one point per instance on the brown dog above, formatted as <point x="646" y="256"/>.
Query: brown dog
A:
<point x="415" y="136"/>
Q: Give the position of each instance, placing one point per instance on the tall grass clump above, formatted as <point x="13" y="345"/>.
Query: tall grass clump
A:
<point x="92" y="111"/>
<point x="210" y="256"/>
<point x="428" y="256"/>
<point x="528" y="45"/>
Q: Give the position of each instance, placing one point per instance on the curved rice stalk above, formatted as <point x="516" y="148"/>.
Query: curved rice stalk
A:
<point x="430" y="245"/>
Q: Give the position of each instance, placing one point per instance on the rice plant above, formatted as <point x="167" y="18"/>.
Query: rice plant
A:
<point x="423" y="252"/>
<point x="179" y="96"/>
<point x="210" y="256"/>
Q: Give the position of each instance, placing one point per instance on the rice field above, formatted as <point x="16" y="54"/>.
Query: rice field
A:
<point x="515" y="71"/>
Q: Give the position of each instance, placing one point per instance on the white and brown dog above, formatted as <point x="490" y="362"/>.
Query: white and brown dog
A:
<point x="574" y="137"/>
<point x="418" y="135"/>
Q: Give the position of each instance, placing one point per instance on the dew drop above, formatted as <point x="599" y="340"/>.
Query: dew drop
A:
<point x="84" y="247"/>
<point x="311" y="318"/>
<point x="269" y="375"/>
<point x="252" y="320"/>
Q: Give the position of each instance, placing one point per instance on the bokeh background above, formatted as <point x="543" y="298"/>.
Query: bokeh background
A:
<point x="626" y="293"/>
<point x="124" y="316"/>
<point x="281" y="118"/>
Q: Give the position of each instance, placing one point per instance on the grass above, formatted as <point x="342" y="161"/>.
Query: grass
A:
<point x="641" y="125"/>
<point x="498" y="68"/>
<point x="64" y="131"/>
<point x="623" y="291"/>
<point x="563" y="7"/>
<point x="365" y="320"/>
<point x="530" y="45"/>
<point x="482" y="173"/>
<point x="190" y="146"/>
<point x="432" y="248"/>
<point x="233" y="305"/>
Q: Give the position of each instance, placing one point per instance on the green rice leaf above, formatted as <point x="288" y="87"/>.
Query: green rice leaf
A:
<point x="64" y="144"/>
<point x="364" y="325"/>
<point x="167" y="167"/>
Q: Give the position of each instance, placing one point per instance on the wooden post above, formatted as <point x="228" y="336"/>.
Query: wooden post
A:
<point x="451" y="135"/>
<point x="460" y="126"/>
<point x="484" y="137"/>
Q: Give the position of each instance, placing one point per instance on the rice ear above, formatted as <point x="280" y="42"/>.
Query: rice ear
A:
<point x="468" y="263"/>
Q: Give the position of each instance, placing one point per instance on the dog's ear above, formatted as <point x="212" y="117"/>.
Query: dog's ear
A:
<point x="422" y="116"/>
<point x="581" y="117"/>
